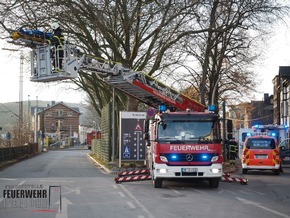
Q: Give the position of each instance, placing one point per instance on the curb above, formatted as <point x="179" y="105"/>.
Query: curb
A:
<point x="100" y="165"/>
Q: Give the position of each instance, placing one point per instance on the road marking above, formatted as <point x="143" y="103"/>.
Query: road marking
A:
<point x="247" y="193"/>
<point x="131" y="205"/>
<point x="201" y="192"/>
<point x="150" y="215"/>
<point x="78" y="191"/>
<point x="231" y="192"/>
<point x="122" y="194"/>
<point x="21" y="183"/>
<point x="7" y="179"/>
<point x="258" y="193"/>
<point x="256" y="204"/>
<point x="62" y="212"/>
<point x="177" y="192"/>
<point x="115" y="186"/>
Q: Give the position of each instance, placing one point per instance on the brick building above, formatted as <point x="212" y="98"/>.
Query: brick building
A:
<point x="59" y="120"/>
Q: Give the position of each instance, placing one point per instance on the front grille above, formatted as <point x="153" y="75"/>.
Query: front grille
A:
<point x="203" y="158"/>
<point x="189" y="174"/>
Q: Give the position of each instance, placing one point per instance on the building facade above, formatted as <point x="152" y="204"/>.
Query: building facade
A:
<point x="59" y="121"/>
<point x="282" y="85"/>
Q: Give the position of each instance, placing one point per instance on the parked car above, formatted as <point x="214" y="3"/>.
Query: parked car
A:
<point x="284" y="150"/>
<point x="56" y="144"/>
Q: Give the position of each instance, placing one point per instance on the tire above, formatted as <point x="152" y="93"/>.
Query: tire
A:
<point x="281" y="168"/>
<point x="245" y="171"/>
<point x="157" y="183"/>
<point x="214" y="183"/>
<point x="277" y="172"/>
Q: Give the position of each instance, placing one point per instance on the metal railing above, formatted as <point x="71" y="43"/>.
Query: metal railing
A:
<point x="12" y="153"/>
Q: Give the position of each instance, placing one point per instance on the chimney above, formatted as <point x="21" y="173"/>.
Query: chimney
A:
<point x="266" y="96"/>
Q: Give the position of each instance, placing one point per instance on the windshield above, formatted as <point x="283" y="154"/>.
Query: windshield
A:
<point x="185" y="130"/>
<point x="261" y="143"/>
<point x="285" y="144"/>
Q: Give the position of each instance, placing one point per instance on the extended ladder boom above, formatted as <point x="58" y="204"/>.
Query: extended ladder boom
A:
<point x="141" y="86"/>
<point x="47" y="65"/>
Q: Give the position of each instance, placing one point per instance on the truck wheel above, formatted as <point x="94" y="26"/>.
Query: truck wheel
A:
<point x="157" y="183"/>
<point x="245" y="171"/>
<point x="214" y="183"/>
<point x="277" y="172"/>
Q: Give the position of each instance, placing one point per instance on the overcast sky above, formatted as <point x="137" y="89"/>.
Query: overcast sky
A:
<point x="277" y="54"/>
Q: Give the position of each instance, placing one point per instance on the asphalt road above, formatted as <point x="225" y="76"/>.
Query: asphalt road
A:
<point x="72" y="186"/>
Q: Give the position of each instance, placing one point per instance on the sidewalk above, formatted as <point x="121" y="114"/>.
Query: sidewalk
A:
<point x="232" y="168"/>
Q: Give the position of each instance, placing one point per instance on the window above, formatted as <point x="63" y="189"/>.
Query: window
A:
<point x="187" y="130"/>
<point x="69" y="114"/>
<point x="59" y="112"/>
<point x="261" y="143"/>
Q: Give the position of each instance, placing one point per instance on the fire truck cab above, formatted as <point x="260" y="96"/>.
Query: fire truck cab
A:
<point x="184" y="145"/>
<point x="261" y="152"/>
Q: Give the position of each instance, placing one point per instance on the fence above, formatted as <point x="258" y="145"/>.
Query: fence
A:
<point x="12" y="153"/>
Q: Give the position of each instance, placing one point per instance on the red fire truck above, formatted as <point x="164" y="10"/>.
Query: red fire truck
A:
<point x="184" y="145"/>
<point x="183" y="138"/>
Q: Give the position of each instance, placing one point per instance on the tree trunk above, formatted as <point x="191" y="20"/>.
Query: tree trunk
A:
<point x="132" y="104"/>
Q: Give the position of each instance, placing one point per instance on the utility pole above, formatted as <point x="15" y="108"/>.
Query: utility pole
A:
<point x="224" y="128"/>
<point x="28" y="114"/>
<point x="20" y="114"/>
<point x="21" y="96"/>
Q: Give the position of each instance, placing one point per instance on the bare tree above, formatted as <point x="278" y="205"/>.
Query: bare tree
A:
<point x="223" y="57"/>
<point x="142" y="35"/>
<point x="151" y="36"/>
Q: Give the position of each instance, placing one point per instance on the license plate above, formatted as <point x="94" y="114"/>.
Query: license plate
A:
<point x="261" y="156"/>
<point x="189" y="170"/>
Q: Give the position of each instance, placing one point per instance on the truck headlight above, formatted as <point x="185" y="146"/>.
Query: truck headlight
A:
<point x="162" y="170"/>
<point x="163" y="159"/>
<point x="215" y="170"/>
<point x="214" y="158"/>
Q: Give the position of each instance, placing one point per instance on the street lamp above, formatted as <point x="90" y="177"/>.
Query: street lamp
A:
<point x="20" y="116"/>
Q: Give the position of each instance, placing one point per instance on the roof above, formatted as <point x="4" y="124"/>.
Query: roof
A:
<point x="262" y="137"/>
<point x="65" y="105"/>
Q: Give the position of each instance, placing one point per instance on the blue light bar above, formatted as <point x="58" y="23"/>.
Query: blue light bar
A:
<point x="173" y="156"/>
<point x="273" y="134"/>
<point x="211" y="107"/>
<point x="162" y="108"/>
<point x="204" y="157"/>
<point x="249" y="134"/>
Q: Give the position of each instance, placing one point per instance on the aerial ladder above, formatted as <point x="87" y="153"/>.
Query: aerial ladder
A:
<point x="134" y="83"/>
